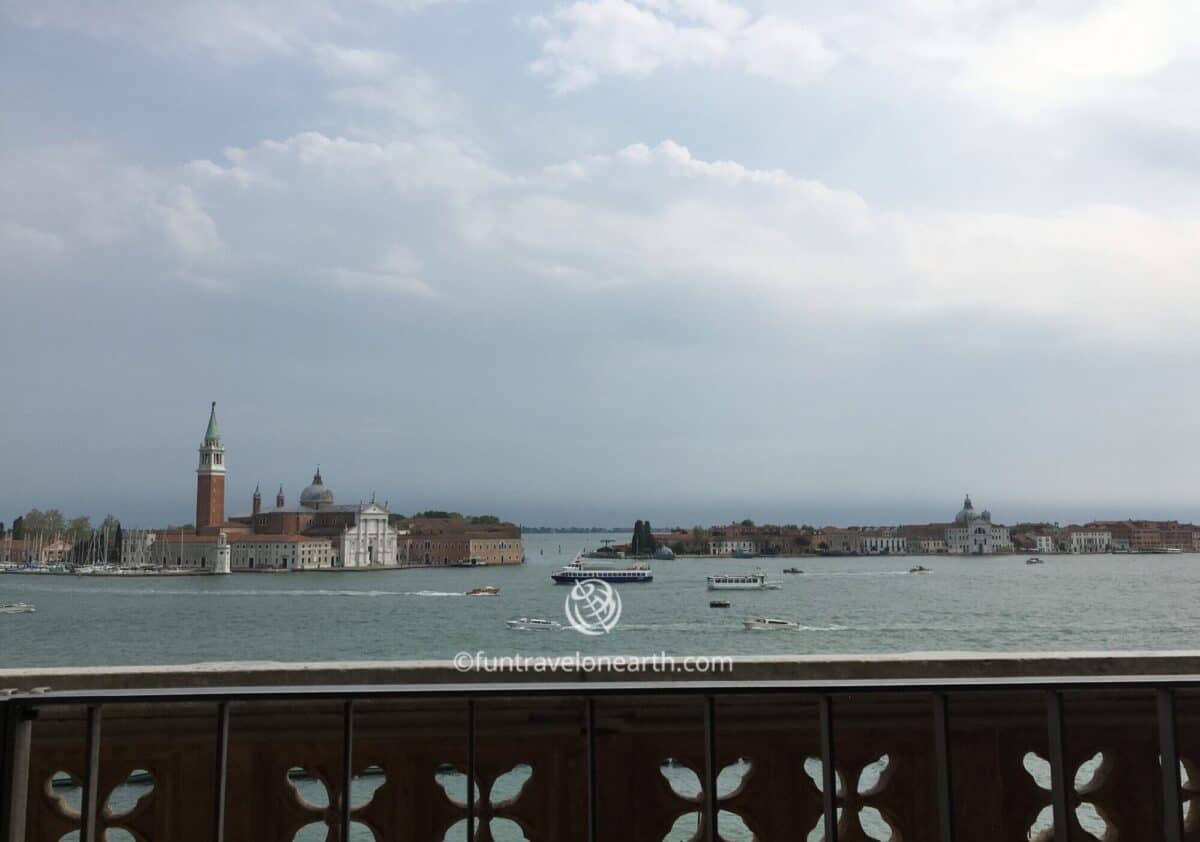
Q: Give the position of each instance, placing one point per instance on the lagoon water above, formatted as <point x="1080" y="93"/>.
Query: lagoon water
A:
<point x="845" y="605"/>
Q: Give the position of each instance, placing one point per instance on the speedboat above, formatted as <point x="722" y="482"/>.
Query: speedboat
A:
<point x="742" y="582"/>
<point x="533" y="624"/>
<point x="486" y="590"/>
<point x="792" y="570"/>
<point x="16" y="608"/>
<point x="719" y="603"/>
<point x="918" y="569"/>
<point x="664" y="553"/>
<point x="1034" y="560"/>
<point x="769" y="624"/>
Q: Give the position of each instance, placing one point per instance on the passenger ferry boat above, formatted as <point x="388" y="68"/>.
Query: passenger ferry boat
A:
<point x="769" y="624"/>
<point x="742" y="582"/>
<point x="579" y="570"/>
<point x="533" y="624"/>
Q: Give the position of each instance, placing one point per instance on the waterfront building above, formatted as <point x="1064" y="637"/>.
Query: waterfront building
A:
<point x="447" y="541"/>
<point x="837" y="541"/>
<point x="728" y="546"/>
<point x="1087" y="540"/>
<point x="496" y="549"/>
<point x="36" y="550"/>
<point x="436" y="550"/>
<point x="973" y="533"/>
<point x="881" y="542"/>
<point x="137" y="546"/>
<point x="1148" y="535"/>
<point x="282" y="552"/>
<point x="1045" y="544"/>
<point x="924" y="539"/>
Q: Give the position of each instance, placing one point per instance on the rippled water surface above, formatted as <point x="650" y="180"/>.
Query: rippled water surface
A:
<point x="843" y="606"/>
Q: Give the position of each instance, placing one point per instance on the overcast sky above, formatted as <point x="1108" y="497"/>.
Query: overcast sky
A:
<point x="580" y="262"/>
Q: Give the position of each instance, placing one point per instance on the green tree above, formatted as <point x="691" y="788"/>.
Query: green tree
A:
<point x="46" y="524"/>
<point x="481" y="520"/>
<point x="648" y="544"/>
<point x="18" y="530"/>
<point x="1" y="530"/>
<point x="636" y="543"/>
<point x="79" y="528"/>
<point x="747" y="522"/>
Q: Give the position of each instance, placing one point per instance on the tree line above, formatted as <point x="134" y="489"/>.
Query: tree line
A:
<point x="51" y="524"/>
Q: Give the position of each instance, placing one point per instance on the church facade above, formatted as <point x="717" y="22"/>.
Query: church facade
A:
<point x="973" y="533"/>
<point x="318" y="533"/>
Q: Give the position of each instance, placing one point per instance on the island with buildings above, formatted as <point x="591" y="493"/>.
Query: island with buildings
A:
<point x="315" y="533"/>
<point x="971" y="532"/>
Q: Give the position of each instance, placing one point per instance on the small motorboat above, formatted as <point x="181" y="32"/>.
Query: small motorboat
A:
<point x="16" y="608"/>
<point x="486" y="590"/>
<point x="719" y="603"/>
<point x="1034" y="560"/>
<point x="918" y="569"/>
<point x="792" y="570"/>
<point x="769" y="624"/>
<point x="533" y="624"/>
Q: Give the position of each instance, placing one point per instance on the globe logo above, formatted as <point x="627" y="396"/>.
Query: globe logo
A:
<point x="593" y="607"/>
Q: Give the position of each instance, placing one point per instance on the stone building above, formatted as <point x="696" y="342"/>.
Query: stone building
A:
<point x="1087" y="540"/>
<point x="973" y="533"/>
<point x="449" y="541"/>
<point x="318" y="533"/>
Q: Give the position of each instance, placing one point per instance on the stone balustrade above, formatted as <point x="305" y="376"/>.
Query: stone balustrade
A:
<point x="910" y="748"/>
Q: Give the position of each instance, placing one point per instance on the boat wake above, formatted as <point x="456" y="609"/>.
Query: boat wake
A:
<point x="238" y="592"/>
<point x="860" y="573"/>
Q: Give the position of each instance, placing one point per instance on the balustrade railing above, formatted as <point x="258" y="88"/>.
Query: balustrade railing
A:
<point x="1071" y="758"/>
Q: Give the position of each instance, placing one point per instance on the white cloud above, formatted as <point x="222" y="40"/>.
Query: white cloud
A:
<point x="588" y="39"/>
<point x="1028" y="61"/>
<point x="422" y="214"/>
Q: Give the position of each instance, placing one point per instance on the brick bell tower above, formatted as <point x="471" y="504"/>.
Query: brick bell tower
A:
<point x="210" y="479"/>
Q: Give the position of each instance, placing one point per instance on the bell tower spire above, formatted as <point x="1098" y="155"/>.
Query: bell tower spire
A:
<point x="210" y="478"/>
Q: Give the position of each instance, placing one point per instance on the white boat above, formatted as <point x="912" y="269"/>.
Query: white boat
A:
<point x="533" y="624"/>
<point x="486" y="590"/>
<point x="581" y="569"/>
<point x="16" y="608"/>
<point x="769" y="624"/>
<point x="742" y="582"/>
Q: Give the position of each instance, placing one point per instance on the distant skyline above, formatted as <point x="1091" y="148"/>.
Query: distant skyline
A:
<point x="583" y="262"/>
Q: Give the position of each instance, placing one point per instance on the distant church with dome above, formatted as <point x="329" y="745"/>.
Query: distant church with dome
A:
<point x="316" y="534"/>
<point x="973" y="533"/>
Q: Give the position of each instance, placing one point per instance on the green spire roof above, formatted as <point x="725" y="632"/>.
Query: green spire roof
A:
<point x="213" y="432"/>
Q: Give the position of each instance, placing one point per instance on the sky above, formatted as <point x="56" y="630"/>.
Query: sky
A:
<point x="580" y="262"/>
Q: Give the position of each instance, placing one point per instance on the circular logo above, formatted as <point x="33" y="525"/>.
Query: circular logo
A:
<point x="593" y="607"/>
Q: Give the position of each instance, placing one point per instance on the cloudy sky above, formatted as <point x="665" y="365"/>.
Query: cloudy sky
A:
<point x="580" y="261"/>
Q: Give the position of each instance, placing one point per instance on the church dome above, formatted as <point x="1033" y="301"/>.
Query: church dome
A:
<point x="316" y="495"/>
<point x="968" y="512"/>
